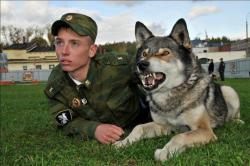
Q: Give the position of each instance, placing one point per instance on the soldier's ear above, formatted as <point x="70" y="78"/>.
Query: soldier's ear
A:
<point x="92" y="50"/>
<point x="142" y="33"/>
<point x="180" y="33"/>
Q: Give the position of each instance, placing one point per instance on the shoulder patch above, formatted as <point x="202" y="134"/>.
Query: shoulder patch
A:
<point x="52" y="89"/>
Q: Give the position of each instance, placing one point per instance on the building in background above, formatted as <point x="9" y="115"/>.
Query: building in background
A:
<point x="240" y="45"/>
<point x="226" y="55"/>
<point x="28" y="63"/>
<point x="215" y="50"/>
<point x="28" y="56"/>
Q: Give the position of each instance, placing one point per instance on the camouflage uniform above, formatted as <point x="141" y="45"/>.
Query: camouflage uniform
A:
<point x="107" y="95"/>
<point x="81" y="24"/>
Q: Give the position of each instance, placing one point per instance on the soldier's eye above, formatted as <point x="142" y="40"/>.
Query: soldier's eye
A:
<point x="59" y="43"/>
<point x="75" y="44"/>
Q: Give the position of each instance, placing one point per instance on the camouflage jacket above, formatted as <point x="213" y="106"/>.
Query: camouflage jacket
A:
<point x="107" y="95"/>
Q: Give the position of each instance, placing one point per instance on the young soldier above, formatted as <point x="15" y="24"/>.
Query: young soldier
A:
<point x="91" y="95"/>
<point x="211" y="67"/>
<point x="222" y="69"/>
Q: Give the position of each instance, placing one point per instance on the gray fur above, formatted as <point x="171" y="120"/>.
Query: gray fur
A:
<point x="198" y="87"/>
<point x="181" y="95"/>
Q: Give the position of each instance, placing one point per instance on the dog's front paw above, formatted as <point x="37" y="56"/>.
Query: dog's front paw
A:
<point x="120" y="144"/>
<point x="162" y="155"/>
<point x="239" y="121"/>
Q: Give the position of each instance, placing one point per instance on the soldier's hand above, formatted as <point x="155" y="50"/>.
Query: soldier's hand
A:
<point x="108" y="133"/>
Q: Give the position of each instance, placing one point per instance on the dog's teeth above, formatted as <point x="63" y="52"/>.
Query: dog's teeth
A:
<point x="143" y="82"/>
<point x="154" y="75"/>
<point x="144" y="77"/>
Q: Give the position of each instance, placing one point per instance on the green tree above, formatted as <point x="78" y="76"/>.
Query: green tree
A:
<point x="224" y="39"/>
<point x="131" y="48"/>
<point x="120" y="47"/>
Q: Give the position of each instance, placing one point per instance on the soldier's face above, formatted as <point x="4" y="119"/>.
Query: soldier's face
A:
<point x="74" y="52"/>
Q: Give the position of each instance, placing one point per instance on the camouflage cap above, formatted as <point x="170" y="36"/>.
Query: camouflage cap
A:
<point x="81" y="24"/>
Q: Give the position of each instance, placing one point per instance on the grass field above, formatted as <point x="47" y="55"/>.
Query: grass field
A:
<point x="29" y="138"/>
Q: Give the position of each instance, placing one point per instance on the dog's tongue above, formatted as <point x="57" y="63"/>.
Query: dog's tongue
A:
<point x="159" y="76"/>
<point x="150" y="80"/>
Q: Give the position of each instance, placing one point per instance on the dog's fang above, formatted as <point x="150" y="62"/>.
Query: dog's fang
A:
<point x="154" y="75"/>
<point x="143" y="82"/>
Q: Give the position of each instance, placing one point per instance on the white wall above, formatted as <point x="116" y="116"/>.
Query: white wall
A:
<point x="230" y="55"/>
<point x="30" y="66"/>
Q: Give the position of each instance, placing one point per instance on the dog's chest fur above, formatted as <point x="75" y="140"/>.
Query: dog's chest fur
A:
<point x="168" y="112"/>
<point x="172" y="105"/>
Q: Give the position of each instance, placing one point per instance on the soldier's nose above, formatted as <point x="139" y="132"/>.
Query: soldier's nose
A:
<point x="143" y="65"/>
<point x="65" y="50"/>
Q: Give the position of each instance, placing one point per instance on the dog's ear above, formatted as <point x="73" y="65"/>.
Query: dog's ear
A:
<point x="180" y="33"/>
<point x="142" y="33"/>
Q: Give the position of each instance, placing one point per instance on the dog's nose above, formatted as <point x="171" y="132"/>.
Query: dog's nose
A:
<point x="142" y="65"/>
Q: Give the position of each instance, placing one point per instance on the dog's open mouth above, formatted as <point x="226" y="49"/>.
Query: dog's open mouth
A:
<point x="151" y="81"/>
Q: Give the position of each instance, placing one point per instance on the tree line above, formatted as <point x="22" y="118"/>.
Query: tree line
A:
<point x="222" y="39"/>
<point x="17" y="35"/>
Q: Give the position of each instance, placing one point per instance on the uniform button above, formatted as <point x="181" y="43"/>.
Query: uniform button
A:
<point x="51" y="89"/>
<point x="84" y="101"/>
<point x="87" y="83"/>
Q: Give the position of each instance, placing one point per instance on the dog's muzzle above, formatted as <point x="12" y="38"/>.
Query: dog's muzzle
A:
<point x="149" y="80"/>
<point x="143" y="65"/>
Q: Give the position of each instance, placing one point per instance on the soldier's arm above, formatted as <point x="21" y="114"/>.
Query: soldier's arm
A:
<point x="75" y="125"/>
<point x="63" y="116"/>
<point x="71" y="124"/>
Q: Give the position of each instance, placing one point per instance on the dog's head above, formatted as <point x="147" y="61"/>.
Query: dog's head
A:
<point x="163" y="61"/>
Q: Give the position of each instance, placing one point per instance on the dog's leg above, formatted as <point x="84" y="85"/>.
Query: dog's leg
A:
<point x="147" y="130"/>
<point x="202" y="135"/>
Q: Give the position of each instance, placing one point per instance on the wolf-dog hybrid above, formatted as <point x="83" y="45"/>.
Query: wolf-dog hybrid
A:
<point x="179" y="92"/>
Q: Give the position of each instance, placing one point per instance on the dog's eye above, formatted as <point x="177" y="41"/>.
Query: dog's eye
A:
<point x="144" y="54"/>
<point x="165" y="53"/>
<point x="162" y="53"/>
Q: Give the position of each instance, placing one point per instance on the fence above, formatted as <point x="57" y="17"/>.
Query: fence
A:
<point x="239" y="68"/>
<point x="25" y="75"/>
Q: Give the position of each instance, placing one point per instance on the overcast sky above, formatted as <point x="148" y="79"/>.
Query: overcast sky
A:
<point x="116" y="19"/>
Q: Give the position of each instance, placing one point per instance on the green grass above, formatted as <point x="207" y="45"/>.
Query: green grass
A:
<point x="29" y="138"/>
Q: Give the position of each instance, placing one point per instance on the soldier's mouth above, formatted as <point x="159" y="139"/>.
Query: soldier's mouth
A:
<point x="65" y="62"/>
<point x="151" y="81"/>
